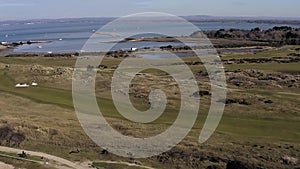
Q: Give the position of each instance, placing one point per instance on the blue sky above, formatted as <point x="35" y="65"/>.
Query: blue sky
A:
<point x="32" y="9"/>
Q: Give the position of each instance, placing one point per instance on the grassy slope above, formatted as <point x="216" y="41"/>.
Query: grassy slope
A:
<point x="257" y="124"/>
<point x="280" y="129"/>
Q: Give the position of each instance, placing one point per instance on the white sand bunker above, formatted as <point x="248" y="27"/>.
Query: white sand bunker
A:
<point x="6" y="166"/>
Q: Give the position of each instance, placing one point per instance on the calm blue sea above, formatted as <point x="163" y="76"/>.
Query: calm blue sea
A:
<point x="70" y="36"/>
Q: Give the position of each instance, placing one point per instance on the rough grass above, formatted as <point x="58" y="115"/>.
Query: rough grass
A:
<point x="53" y="108"/>
<point x="115" y="166"/>
<point x="244" y="126"/>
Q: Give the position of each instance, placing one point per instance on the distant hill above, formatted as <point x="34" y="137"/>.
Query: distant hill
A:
<point x="207" y="17"/>
<point x="193" y="18"/>
<point x="276" y="36"/>
<point x="275" y="20"/>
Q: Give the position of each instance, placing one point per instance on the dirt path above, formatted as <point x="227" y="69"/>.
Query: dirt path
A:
<point x="288" y="93"/>
<point x="125" y="163"/>
<point x="61" y="163"/>
<point x="6" y="166"/>
<point x="54" y="160"/>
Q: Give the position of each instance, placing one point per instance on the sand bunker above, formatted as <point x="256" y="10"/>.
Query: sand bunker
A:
<point x="6" y="166"/>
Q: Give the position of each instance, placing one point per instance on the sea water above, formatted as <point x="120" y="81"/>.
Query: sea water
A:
<point x="71" y="35"/>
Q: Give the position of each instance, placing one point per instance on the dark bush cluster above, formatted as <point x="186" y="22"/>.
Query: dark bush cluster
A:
<point x="283" y="35"/>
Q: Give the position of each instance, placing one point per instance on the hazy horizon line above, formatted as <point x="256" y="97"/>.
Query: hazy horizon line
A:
<point x="288" y="18"/>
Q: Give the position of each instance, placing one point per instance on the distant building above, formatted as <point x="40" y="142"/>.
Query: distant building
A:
<point x="134" y="49"/>
<point x="4" y="43"/>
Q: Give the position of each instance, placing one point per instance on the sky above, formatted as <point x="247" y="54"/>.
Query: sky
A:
<point x="43" y="9"/>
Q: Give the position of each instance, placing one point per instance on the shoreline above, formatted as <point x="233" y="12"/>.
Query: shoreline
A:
<point x="220" y="45"/>
<point x="223" y="39"/>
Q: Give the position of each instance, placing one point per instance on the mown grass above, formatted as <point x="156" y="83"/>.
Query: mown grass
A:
<point x="263" y="54"/>
<point x="291" y="67"/>
<point x="38" y="94"/>
<point x="271" y="67"/>
<point x="281" y="130"/>
<point x="70" y="62"/>
<point x="47" y="61"/>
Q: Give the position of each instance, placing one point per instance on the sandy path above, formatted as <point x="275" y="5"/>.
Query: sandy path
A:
<point x="6" y="166"/>
<point x="125" y="163"/>
<point x="288" y="93"/>
<point x="61" y="163"/>
<point x="57" y="161"/>
<point x="2" y="47"/>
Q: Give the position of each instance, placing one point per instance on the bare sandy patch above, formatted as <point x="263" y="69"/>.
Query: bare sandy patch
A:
<point x="6" y="166"/>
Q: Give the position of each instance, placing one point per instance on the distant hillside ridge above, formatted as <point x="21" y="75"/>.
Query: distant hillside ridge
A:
<point x="277" y="36"/>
